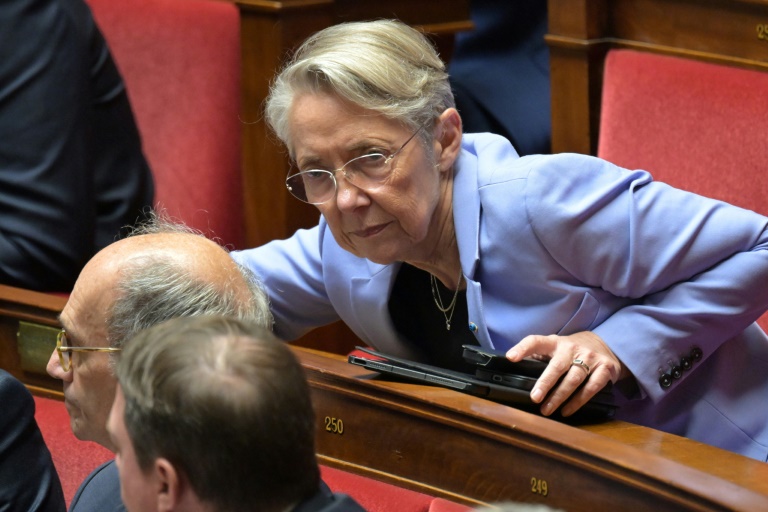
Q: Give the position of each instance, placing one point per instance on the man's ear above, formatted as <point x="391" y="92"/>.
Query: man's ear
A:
<point x="168" y="485"/>
<point x="448" y="139"/>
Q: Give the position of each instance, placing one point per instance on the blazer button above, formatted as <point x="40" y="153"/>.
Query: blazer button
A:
<point x="677" y="372"/>
<point x="686" y="363"/>
<point x="665" y="380"/>
<point x="696" y="354"/>
<point x="472" y="327"/>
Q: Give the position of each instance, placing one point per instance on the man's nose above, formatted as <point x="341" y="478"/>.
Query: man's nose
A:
<point x="55" y="370"/>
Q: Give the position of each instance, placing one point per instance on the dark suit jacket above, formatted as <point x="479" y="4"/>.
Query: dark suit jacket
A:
<point x="499" y="73"/>
<point x="100" y="492"/>
<point x="28" y="478"/>
<point x="72" y="172"/>
<point x="326" y="501"/>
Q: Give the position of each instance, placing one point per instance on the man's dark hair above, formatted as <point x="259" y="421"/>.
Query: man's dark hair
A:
<point x="228" y="405"/>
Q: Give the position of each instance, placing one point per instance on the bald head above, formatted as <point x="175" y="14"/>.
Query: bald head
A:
<point x="167" y="275"/>
<point x="197" y="257"/>
<point x="131" y="285"/>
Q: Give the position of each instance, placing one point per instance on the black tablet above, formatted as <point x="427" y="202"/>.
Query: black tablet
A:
<point x="507" y="387"/>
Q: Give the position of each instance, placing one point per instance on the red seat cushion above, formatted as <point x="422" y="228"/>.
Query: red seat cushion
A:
<point x="441" y="505"/>
<point x="373" y="495"/>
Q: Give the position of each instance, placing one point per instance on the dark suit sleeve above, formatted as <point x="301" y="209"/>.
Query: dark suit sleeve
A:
<point x="100" y="491"/>
<point x="28" y="478"/>
<point x="72" y="172"/>
<point x="325" y="500"/>
<point x="500" y="73"/>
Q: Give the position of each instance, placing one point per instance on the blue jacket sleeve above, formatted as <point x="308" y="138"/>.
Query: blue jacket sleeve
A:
<point x="695" y="268"/>
<point x="292" y="272"/>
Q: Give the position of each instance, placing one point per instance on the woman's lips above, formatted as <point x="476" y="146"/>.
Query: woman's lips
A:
<point x="371" y="231"/>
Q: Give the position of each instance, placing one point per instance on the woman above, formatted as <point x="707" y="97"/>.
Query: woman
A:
<point x="430" y="238"/>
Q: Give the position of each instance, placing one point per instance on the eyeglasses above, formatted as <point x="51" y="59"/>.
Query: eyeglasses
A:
<point x="317" y="186"/>
<point x="65" y="352"/>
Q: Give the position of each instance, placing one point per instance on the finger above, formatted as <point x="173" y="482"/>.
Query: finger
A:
<point x="549" y="378"/>
<point x="534" y="344"/>
<point x="595" y="383"/>
<point x="573" y="378"/>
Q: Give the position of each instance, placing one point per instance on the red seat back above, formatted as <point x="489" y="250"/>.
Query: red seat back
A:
<point x="695" y="125"/>
<point x="181" y="63"/>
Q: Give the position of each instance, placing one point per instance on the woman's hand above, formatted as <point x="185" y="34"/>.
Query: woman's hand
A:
<point x="601" y="366"/>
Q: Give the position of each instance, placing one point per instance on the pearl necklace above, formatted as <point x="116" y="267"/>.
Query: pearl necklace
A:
<point x="446" y="310"/>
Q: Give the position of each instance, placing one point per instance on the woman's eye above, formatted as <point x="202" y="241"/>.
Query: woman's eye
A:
<point x="371" y="160"/>
<point x="314" y="175"/>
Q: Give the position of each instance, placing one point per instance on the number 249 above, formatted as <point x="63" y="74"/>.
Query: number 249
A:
<point x="539" y="486"/>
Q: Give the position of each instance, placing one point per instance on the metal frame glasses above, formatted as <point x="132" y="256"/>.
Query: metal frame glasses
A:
<point x="317" y="186"/>
<point x="65" y="357"/>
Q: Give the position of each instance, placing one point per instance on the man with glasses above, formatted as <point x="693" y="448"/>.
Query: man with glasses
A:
<point x="163" y="271"/>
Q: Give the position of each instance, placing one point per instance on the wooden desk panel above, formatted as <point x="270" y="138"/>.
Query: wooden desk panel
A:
<point x="19" y="305"/>
<point x="731" y="32"/>
<point x="472" y="450"/>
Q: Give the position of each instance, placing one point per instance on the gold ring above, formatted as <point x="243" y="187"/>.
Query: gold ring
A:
<point x="581" y="364"/>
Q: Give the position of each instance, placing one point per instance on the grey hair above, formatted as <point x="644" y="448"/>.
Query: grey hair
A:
<point x="152" y="289"/>
<point x="160" y="222"/>
<point x="384" y="66"/>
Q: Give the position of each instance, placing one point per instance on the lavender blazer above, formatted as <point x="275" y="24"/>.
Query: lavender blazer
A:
<point x="565" y="243"/>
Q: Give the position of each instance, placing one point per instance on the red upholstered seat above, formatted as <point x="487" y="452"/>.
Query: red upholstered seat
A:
<point x="695" y="125"/>
<point x="181" y="63"/>
<point x="441" y="505"/>
<point x="74" y="459"/>
<point x="375" y="496"/>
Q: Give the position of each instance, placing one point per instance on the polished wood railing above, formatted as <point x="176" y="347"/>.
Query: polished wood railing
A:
<point x="471" y="450"/>
<point x="466" y="449"/>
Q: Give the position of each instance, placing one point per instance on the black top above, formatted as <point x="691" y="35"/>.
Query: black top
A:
<point x="418" y="320"/>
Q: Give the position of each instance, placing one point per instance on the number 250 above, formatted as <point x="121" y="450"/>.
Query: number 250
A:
<point x="334" y="425"/>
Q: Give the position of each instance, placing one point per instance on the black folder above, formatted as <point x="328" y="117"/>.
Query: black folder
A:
<point x="508" y="383"/>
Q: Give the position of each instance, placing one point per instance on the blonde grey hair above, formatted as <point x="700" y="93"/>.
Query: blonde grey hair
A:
<point x="384" y="66"/>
